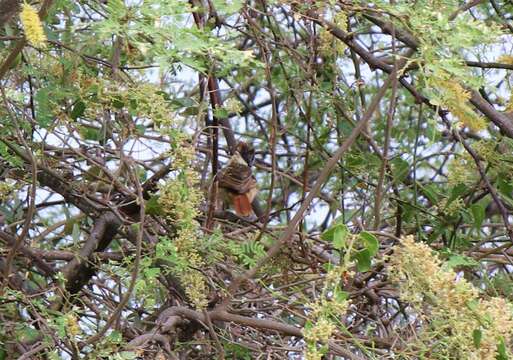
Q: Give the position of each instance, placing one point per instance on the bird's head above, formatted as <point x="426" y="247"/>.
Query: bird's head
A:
<point x="246" y="152"/>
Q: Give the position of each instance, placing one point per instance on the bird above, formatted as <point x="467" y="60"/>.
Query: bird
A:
<point x="237" y="182"/>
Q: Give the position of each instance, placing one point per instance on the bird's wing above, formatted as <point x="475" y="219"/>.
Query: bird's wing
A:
<point x="237" y="178"/>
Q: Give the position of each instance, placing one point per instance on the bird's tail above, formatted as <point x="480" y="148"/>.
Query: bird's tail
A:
<point x="242" y="205"/>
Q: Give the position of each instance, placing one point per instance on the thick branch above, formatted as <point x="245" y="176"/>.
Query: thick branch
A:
<point x="476" y="99"/>
<point x="7" y="10"/>
<point x="79" y="270"/>
<point x="257" y="323"/>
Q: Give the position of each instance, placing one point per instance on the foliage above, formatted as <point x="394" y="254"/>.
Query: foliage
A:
<point x="384" y="240"/>
<point x="451" y="306"/>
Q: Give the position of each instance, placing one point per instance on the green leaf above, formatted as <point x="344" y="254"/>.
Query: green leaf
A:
<point x="88" y="133"/>
<point x="339" y="236"/>
<point x="236" y="351"/>
<point x="472" y="304"/>
<point x="228" y="7"/>
<point x="456" y="192"/>
<point x="115" y="337"/>
<point x="308" y="325"/>
<point x="505" y="188"/>
<point x="53" y="355"/>
<point x="193" y="63"/>
<point x="132" y="105"/>
<point x="501" y="350"/>
<point x="328" y="266"/>
<point x="118" y="103"/>
<point x="128" y="355"/>
<point x="43" y="107"/>
<point x="336" y="234"/>
<point x="140" y="129"/>
<point x="340" y="295"/>
<point x="221" y="113"/>
<point x="192" y="110"/>
<point x="61" y="326"/>
<point x="179" y="103"/>
<point x="460" y="260"/>
<point x="151" y="272"/>
<point x="477" y="335"/>
<point x="329" y="234"/>
<point x="430" y="192"/>
<point x="371" y="243"/>
<point x="27" y="334"/>
<point x="75" y="234"/>
<point x="78" y="110"/>
<point x="503" y="284"/>
<point x="68" y="227"/>
<point x="478" y="212"/>
<point x="400" y="169"/>
<point x="363" y="260"/>
<point x="153" y="206"/>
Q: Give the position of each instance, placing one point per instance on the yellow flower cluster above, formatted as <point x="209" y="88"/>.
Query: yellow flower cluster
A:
<point x="34" y="32"/>
<point x="320" y="332"/>
<point x="145" y="101"/>
<point x="150" y="104"/>
<point x="456" y="100"/>
<point x="180" y="199"/>
<point x="72" y="324"/>
<point x="450" y="306"/>
<point x="233" y="105"/>
<point x="452" y="209"/>
<point x="186" y="243"/>
<point x="486" y="150"/>
<point x="505" y="59"/>
<point x="340" y="19"/>
<point x="195" y="289"/>
<point x="322" y="311"/>
<point x="5" y="190"/>
<point x="509" y="107"/>
<point x="452" y="96"/>
<point x="312" y="353"/>
<point x="461" y="170"/>
<point x="328" y="44"/>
